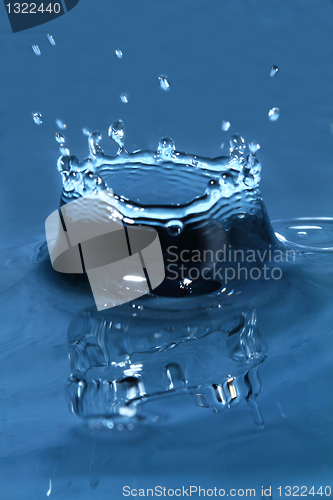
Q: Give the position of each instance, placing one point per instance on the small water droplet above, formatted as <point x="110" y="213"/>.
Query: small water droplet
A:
<point x="124" y="98"/>
<point x="38" y="119"/>
<point x="116" y="132"/>
<point x="85" y="131"/>
<point x="174" y="227"/>
<point x="119" y="54"/>
<point x="225" y="126"/>
<point x="61" y="124"/>
<point x="59" y="138"/>
<point x="166" y="148"/>
<point x="36" y="50"/>
<point x="51" y="39"/>
<point x="94" y="482"/>
<point x="254" y="147"/>
<point x="164" y="82"/>
<point x="64" y="151"/>
<point x="237" y="143"/>
<point x="63" y="164"/>
<point x="274" y="114"/>
<point x="274" y="70"/>
<point x="93" y="143"/>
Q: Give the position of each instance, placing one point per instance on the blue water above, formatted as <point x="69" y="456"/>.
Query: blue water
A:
<point x="217" y="56"/>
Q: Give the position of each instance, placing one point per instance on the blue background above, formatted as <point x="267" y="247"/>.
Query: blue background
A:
<point x="217" y="55"/>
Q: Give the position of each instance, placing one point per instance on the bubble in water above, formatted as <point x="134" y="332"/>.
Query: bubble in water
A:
<point x="274" y="114"/>
<point x="164" y="82"/>
<point x="36" y="50"/>
<point x="59" y="138"/>
<point x="254" y="147"/>
<point x="60" y="124"/>
<point x="38" y="119"/>
<point x="225" y="126"/>
<point x="124" y="98"/>
<point x="64" y="151"/>
<point x="166" y="148"/>
<point x="119" y="54"/>
<point x="116" y="132"/>
<point x="51" y="39"/>
<point x="174" y="227"/>
<point x="237" y="142"/>
<point x="274" y="70"/>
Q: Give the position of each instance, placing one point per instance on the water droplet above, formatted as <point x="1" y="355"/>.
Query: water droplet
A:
<point x="119" y="54"/>
<point x="124" y="98"/>
<point x="63" y="164"/>
<point x="164" y="82"/>
<point x="36" y="50"/>
<point x="93" y="143"/>
<point x="225" y="126"/>
<point x="274" y="70"/>
<point x="61" y="124"/>
<point x="274" y="114"/>
<point x="254" y="147"/>
<point x="116" y="132"/>
<point x="174" y="227"/>
<point x="51" y="39"/>
<point x="85" y="131"/>
<point x="94" y="482"/>
<point x="64" y="151"/>
<point x="59" y="138"/>
<point x="236" y="143"/>
<point x="166" y="148"/>
<point x="38" y="119"/>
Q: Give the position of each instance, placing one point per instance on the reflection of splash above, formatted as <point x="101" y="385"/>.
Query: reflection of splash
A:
<point x="118" y="370"/>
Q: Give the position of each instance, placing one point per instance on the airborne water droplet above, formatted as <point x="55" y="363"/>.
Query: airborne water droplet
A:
<point x="119" y="54"/>
<point x="38" y="119"/>
<point x="85" y="131"/>
<point x="225" y="126"/>
<point x="51" y="39"/>
<point x="274" y="114"/>
<point x="59" y="138"/>
<point x="61" y="124"/>
<point x="254" y="147"/>
<point x="274" y="70"/>
<point x="36" y="50"/>
<point x="116" y="132"/>
<point x="166" y="148"/>
<point x="124" y="98"/>
<point x="164" y="82"/>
